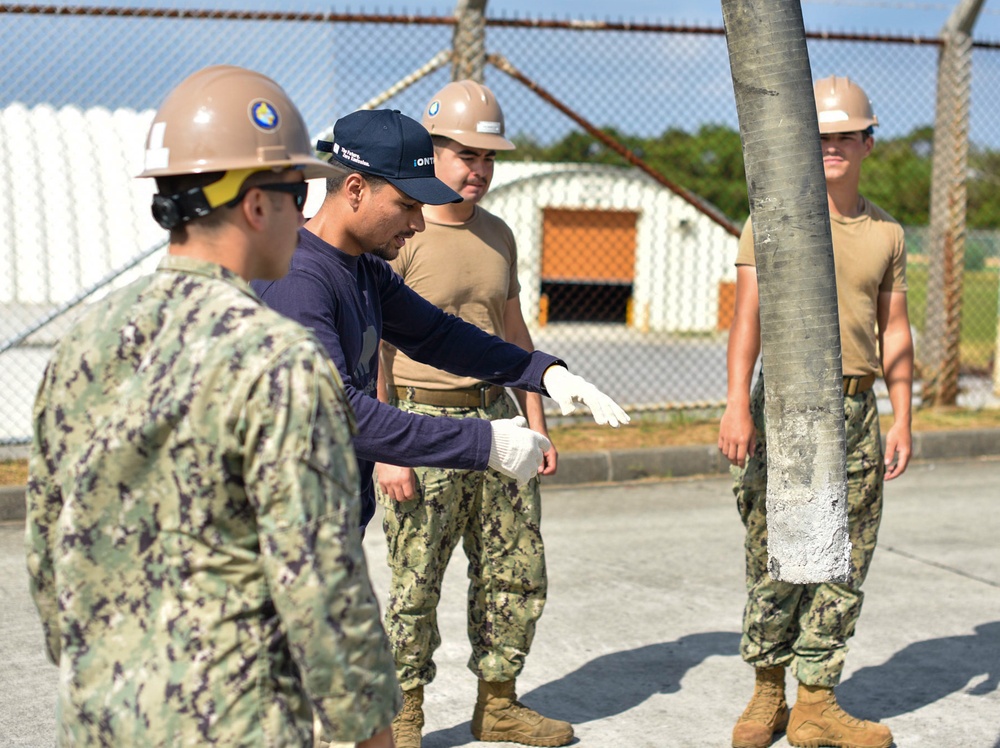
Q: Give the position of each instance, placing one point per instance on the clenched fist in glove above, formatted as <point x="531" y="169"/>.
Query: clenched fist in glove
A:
<point x="517" y="451"/>
<point x="564" y="388"/>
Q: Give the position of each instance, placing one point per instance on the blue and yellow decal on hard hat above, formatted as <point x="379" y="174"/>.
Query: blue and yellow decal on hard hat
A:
<point x="264" y="115"/>
<point x="434" y="108"/>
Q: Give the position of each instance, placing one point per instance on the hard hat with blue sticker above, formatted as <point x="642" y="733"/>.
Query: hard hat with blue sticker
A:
<point x="467" y="112"/>
<point x="264" y="115"/>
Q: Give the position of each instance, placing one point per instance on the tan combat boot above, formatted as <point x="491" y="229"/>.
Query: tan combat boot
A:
<point x="407" y="724"/>
<point x="767" y="712"/>
<point x="500" y="717"/>
<point x="817" y="720"/>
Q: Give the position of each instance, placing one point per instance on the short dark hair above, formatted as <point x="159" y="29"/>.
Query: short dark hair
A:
<point x="333" y="184"/>
<point x="175" y="185"/>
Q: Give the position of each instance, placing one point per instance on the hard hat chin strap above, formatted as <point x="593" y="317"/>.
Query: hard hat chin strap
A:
<point x="228" y="188"/>
<point x="170" y="211"/>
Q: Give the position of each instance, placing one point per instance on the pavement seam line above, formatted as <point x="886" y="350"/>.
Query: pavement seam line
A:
<point x="943" y="567"/>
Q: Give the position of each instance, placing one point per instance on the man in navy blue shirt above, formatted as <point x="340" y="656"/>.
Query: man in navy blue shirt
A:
<point x="341" y="286"/>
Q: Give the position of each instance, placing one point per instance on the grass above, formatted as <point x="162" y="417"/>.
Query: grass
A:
<point x="705" y="430"/>
<point x="13" y="472"/>
<point x="979" y="312"/>
<point x="677" y="430"/>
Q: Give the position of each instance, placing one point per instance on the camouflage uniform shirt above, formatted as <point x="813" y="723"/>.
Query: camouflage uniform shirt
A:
<point x="192" y="526"/>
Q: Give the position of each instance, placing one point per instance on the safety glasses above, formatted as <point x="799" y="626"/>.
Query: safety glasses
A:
<point x="298" y="190"/>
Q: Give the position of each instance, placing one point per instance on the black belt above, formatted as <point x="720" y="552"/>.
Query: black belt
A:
<point x="857" y="385"/>
<point x="481" y="396"/>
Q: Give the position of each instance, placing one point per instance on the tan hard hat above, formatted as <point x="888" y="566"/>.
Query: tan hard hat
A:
<point x="842" y="106"/>
<point x="225" y="118"/>
<point x="468" y="113"/>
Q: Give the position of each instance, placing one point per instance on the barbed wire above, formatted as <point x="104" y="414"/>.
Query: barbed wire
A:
<point x="884" y="5"/>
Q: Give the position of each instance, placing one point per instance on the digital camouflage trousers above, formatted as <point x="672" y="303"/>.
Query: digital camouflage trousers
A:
<point x="498" y="523"/>
<point x="807" y="626"/>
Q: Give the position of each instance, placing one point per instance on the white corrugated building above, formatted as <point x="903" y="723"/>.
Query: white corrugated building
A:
<point x="71" y="214"/>
<point x="623" y="235"/>
<point x="71" y="210"/>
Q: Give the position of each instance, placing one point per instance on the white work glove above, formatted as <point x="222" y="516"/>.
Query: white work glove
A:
<point x="564" y="388"/>
<point x="517" y="451"/>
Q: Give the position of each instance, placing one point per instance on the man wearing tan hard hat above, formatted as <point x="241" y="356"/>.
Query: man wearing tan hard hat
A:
<point x="806" y="627"/>
<point x="192" y="510"/>
<point x="465" y="262"/>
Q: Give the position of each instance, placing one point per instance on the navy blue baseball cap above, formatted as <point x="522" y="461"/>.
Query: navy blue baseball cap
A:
<point x="391" y="145"/>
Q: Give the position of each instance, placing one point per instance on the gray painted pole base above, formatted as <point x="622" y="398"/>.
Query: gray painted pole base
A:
<point x="807" y="536"/>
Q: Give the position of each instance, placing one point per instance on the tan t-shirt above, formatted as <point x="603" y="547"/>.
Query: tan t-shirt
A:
<point x="869" y="256"/>
<point x="469" y="270"/>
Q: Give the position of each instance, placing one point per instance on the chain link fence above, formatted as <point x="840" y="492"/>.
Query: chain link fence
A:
<point x="626" y="261"/>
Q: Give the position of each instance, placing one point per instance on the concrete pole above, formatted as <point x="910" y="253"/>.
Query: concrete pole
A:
<point x="799" y="321"/>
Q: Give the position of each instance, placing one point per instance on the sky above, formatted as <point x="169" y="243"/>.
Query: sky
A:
<point x="86" y="71"/>
<point x="862" y="16"/>
<point x="902" y="17"/>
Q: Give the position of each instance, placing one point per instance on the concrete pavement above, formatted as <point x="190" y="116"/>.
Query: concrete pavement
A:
<point x="638" y="646"/>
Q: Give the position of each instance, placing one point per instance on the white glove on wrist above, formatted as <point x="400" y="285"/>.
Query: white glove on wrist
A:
<point x="517" y="451"/>
<point x="564" y="388"/>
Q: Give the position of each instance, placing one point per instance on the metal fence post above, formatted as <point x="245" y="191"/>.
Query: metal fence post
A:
<point x="942" y="334"/>
<point x="469" y="40"/>
<point x="996" y="360"/>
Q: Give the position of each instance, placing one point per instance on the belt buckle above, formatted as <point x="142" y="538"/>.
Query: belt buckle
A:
<point x="483" y="387"/>
<point x="851" y="386"/>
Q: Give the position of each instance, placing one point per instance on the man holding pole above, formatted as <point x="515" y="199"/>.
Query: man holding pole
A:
<point x="806" y="627"/>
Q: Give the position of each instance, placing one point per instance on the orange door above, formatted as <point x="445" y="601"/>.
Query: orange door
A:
<point x="588" y="265"/>
<point x="592" y="246"/>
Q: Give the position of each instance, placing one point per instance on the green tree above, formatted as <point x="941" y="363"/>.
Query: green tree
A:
<point x="983" y="210"/>
<point x="897" y="176"/>
<point x="709" y="162"/>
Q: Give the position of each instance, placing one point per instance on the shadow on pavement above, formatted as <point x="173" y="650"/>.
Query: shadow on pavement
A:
<point x="460" y="734"/>
<point x="925" y="672"/>
<point x="613" y="683"/>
